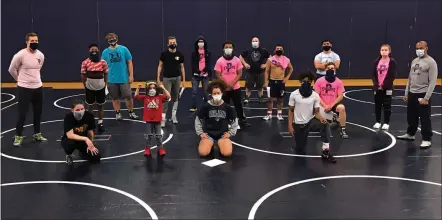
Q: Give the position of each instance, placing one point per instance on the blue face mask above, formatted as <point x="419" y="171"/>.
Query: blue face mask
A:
<point x="420" y="53"/>
<point x="306" y="89"/>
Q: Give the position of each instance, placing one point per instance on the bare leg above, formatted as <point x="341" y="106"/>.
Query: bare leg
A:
<point x="205" y="147"/>
<point x="225" y="147"/>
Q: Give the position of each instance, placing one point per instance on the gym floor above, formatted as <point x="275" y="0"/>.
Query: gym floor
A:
<point x="376" y="176"/>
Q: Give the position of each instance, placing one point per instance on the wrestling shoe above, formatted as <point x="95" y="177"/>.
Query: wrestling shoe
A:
<point x="17" y="141"/>
<point x="161" y="151"/>
<point x="147" y="151"/>
<point x="246" y="100"/>
<point x="377" y="126"/>
<point x="132" y="115"/>
<point x="385" y="127"/>
<point x="326" y="155"/>
<point x="261" y="99"/>
<point x="343" y="133"/>
<point x="69" y="160"/>
<point x="118" y="116"/>
<point x="38" y="137"/>
<point x="425" y="144"/>
<point x="267" y="117"/>
<point x="279" y="117"/>
<point x="192" y="109"/>
<point x="101" y="128"/>
<point x="406" y="137"/>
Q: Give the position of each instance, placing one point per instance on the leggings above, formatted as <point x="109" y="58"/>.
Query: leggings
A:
<point x="25" y="98"/>
<point x="302" y="131"/>
<point x="382" y="99"/>
<point x="235" y="96"/>
<point x="154" y="129"/>
<point x="70" y="146"/>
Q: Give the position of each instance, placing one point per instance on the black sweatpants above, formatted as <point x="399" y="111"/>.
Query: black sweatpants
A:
<point x="235" y="96"/>
<point x="70" y="146"/>
<point x="25" y="98"/>
<point x="382" y="100"/>
<point x="302" y="131"/>
<point x="415" y="111"/>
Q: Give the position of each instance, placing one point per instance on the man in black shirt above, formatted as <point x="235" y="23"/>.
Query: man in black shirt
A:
<point x="254" y="60"/>
<point x="172" y="66"/>
<point x="79" y="128"/>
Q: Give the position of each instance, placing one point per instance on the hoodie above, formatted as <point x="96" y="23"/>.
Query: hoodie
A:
<point x="389" y="78"/>
<point x="196" y="58"/>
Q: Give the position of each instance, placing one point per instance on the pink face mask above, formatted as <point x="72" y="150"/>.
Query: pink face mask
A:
<point x="385" y="53"/>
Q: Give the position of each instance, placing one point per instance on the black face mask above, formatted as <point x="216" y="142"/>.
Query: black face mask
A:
<point x="330" y="76"/>
<point x="172" y="46"/>
<point x="279" y="52"/>
<point x="112" y="43"/>
<point x="326" y="48"/>
<point x="33" y="46"/>
<point x="94" y="56"/>
<point x="306" y="89"/>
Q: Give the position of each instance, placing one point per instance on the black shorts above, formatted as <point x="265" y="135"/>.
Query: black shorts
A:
<point x="277" y="88"/>
<point x="333" y="109"/>
<point x="96" y="96"/>
<point x="254" y="78"/>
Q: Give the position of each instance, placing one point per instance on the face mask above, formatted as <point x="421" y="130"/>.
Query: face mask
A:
<point x="217" y="98"/>
<point x="326" y="48"/>
<point x="78" y="115"/>
<point x="33" y="46"/>
<point x="306" y="89"/>
<point x="200" y="45"/>
<point x="255" y="44"/>
<point x="385" y="53"/>
<point x="152" y="92"/>
<point x="172" y="46"/>
<point x="94" y="56"/>
<point x="279" y="52"/>
<point x="112" y="42"/>
<point x="330" y="76"/>
<point x="420" y="53"/>
<point x="228" y="51"/>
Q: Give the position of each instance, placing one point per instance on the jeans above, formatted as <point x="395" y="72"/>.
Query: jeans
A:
<point x="195" y="85"/>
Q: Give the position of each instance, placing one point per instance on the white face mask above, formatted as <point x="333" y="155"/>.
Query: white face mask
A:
<point x="217" y="98"/>
<point x="228" y="51"/>
<point x="200" y="45"/>
<point x="420" y="53"/>
<point x="255" y="44"/>
<point x="152" y="92"/>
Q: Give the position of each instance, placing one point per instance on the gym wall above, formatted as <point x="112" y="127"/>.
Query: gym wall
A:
<point x="357" y="29"/>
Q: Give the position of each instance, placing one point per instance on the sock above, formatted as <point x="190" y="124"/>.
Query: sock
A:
<point x="343" y="128"/>
<point x="174" y="108"/>
<point x="279" y="112"/>
<point x="118" y="112"/>
<point x="131" y="111"/>
<point x="100" y="121"/>
<point x="269" y="112"/>
<point x="325" y="146"/>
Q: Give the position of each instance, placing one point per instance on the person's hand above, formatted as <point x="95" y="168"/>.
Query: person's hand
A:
<point x="93" y="150"/>
<point x="323" y="120"/>
<point x="131" y="79"/>
<point x="263" y="66"/>
<point x="291" y="130"/>
<point x="182" y="84"/>
<point x="226" y="135"/>
<point x="161" y="86"/>
<point x="327" y="108"/>
<point x="205" y="136"/>
<point x="423" y="102"/>
<point x="247" y="66"/>
<point x="159" y="81"/>
<point x="285" y="80"/>
<point x="266" y="84"/>
<point x="406" y="98"/>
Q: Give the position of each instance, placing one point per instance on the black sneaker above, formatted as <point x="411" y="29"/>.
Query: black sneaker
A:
<point x="343" y="134"/>
<point x="69" y="160"/>
<point x="326" y="155"/>
<point x="261" y="99"/>
<point x="101" y="128"/>
<point x="243" y="123"/>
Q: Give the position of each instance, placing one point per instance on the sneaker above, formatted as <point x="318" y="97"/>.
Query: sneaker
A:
<point x="147" y="151"/>
<point x="377" y="125"/>
<point x="132" y="115"/>
<point x="17" y="141"/>
<point x="174" y="119"/>
<point x="261" y="99"/>
<point x="39" y="137"/>
<point x="406" y="137"/>
<point x="385" y="127"/>
<point x="118" y="116"/>
<point x="192" y="109"/>
<point x="280" y="117"/>
<point x="267" y="117"/>
<point x="101" y="128"/>
<point x="326" y="155"/>
<point x="425" y="144"/>
<point x="69" y="160"/>
<point x="246" y="100"/>
<point x="161" y="151"/>
<point x="244" y="123"/>
<point x="343" y="134"/>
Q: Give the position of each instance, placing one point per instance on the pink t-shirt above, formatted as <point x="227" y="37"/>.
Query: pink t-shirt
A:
<point x="25" y="68"/>
<point x="383" y="66"/>
<point x="329" y="91"/>
<point x="228" y="69"/>
<point x="202" y="63"/>
<point x="281" y="61"/>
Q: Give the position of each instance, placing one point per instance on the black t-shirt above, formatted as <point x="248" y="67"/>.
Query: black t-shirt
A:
<point x="216" y="119"/>
<point x="255" y="57"/>
<point x="80" y="127"/>
<point x="172" y="63"/>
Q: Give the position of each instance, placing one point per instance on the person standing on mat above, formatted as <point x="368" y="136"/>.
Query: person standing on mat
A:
<point x="420" y="87"/>
<point x="331" y="92"/>
<point x="153" y="106"/>
<point x="275" y="70"/>
<point x="254" y="60"/>
<point x="121" y="75"/>
<point x="216" y="122"/>
<point x="25" y="69"/>
<point x="94" y="72"/>
<point x="384" y="73"/>
<point x="201" y="61"/>
<point x="326" y="56"/>
<point x="78" y="135"/>
<point x="172" y="65"/>
<point x="229" y="69"/>
<point x="302" y="119"/>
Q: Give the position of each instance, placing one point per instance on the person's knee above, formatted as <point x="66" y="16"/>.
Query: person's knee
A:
<point x="100" y="107"/>
<point x="90" y="107"/>
<point x="226" y="152"/>
<point x="203" y="151"/>
<point x="340" y="108"/>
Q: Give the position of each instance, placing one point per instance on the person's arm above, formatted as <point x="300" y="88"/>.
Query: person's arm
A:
<point x="318" y="64"/>
<point x="69" y="130"/>
<point x="243" y="61"/>
<point x="432" y="80"/>
<point x="83" y="72"/>
<point x="91" y="135"/>
<point x="239" y="67"/>
<point x="408" y="83"/>
<point x="218" y="69"/>
<point x="105" y="71"/>
<point x="267" y="72"/>
<point x="130" y="65"/>
<point x="183" y="73"/>
<point x="289" y="72"/>
<point x="291" y="113"/>
<point x="160" y="67"/>
<point x="337" y="60"/>
<point x="317" y="89"/>
<point x="15" y="65"/>
<point x="317" y="110"/>
<point x="166" y="93"/>
<point x="375" y="76"/>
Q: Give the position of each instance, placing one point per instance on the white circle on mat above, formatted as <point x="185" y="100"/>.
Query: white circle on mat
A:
<point x="393" y="142"/>
<point x="70" y="96"/>
<point x="8" y="94"/>
<point x="76" y="161"/>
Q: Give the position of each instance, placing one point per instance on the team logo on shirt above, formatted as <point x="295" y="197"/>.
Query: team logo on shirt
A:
<point x="328" y="88"/>
<point x="417" y="68"/>
<point x="81" y="129"/>
<point x="154" y="104"/>
<point x="115" y="57"/>
<point x="177" y="58"/>
<point x="256" y="56"/>
<point x="217" y="114"/>
<point x="228" y="67"/>
<point x="382" y="68"/>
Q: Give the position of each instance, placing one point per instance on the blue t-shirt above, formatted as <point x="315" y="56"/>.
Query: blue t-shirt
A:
<point x="117" y="62"/>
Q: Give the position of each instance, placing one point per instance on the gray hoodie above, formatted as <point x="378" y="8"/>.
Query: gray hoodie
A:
<point x="423" y="76"/>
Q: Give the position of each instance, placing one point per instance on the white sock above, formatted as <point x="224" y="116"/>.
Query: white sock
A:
<point x="100" y="121"/>
<point x="325" y="146"/>
<point x="279" y="112"/>
<point x="269" y="112"/>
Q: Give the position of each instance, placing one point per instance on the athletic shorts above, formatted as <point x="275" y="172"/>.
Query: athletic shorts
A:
<point x="333" y="109"/>
<point x="254" y="78"/>
<point x="96" y="96"/>
<point x="119" y="90"/>
<point x="215" y="137"/>
<point x="277" y="88"/>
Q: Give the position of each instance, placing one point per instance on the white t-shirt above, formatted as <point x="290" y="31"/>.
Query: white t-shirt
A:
<point x="304" y="107"/>
<point x="325" y="58"/>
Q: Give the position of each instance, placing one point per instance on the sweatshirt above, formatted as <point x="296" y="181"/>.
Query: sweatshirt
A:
<point x="25" y="68"/>
<point x="423" y="76"/>
<point x="215" y="120"/>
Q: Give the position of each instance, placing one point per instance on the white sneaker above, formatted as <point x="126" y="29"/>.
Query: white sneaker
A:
<point x="406" y="137"/>
<point x="267" y="117"/>
<point x="425" y="144"/>
<point x="174" y="119"/>
<point x="377" y="125"/>
<point x="119" y="116"/>
<point x="280" y="117"/>
<point x="385" y="127"/>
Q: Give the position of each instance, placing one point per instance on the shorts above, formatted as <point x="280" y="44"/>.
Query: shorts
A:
<point x="215" y="137"/>
<point x="333" y="109"/>
<point x="119" y="90"/>
<point x="254" y="78"/>
<point x="96" y="96"/>
<point x="277" y="88"/>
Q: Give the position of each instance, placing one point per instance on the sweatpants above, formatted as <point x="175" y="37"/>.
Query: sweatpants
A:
<point x="415" y="111"/>
<point x="25" y="98"/>
<point x="70" y="146"/>
<point x="172" y="85"/>
<point x="383" y="100"/>
<point x="153" y="129"/>
<point x="235" y="96"/>
<point x="302" y="131"/>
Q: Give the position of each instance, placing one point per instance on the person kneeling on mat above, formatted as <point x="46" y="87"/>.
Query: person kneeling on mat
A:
<point x="301" y="103"/>
<point x="213" y="120"/>
<point x="78" y="135"/>
<point x="152" y="115"/>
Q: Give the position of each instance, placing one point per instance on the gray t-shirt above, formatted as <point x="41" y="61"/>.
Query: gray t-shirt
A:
<point x="423" y="76"/>
<point x="304" y="106"/>
<point x="325" y="58"/>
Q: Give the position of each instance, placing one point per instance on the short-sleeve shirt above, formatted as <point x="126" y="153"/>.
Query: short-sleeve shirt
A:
<point x="228" y="69"/>
<point x="171" y="63"/>
<point x="216" y="119"/>
<point x="153" y="107"/>
<point x="116" y="59"/>
<point x="255" y="57"/>
<point x="80" y="127"/>
<point x="328" y="92"/>
<point x="94" y="71"/>
<point x="326" y="58"/>
<point x="304" y="107"/>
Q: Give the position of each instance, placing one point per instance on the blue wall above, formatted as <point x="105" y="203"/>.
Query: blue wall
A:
<point x="357" y="28"/>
